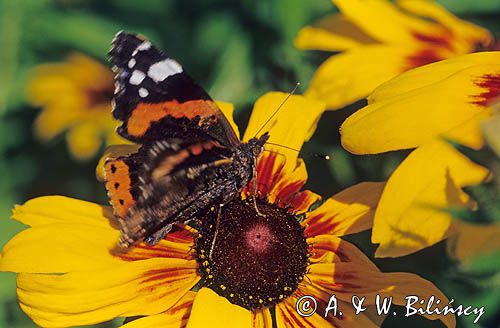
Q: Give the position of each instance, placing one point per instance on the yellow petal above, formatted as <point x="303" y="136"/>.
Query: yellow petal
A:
<point x="447" y="98"/>
<point x="114" y="151"/>
<point x="470" y="34"/>
<point x="471" y="240"/>
<point x="332" y="249"/>
<point x="491" y="130"/>
<point x="385" y="22"/>
<point x="175" y="317"/>
<point x="72" y="235"/>
<point x="290" y="127"/>
<point x="51" y="83"/>
<point x="54" y="120"/>
<point x="86" y="297"/>
<point x="348" y="279"/>
<point x="430" y="74"/>
<point x="228" y="110"/>
<point x="88" y="72"/>
<point x="69" y="276"/>
<point x="211" y="310"/>
<point x="262" y="318"/>
<point x="84" y="140"/>
<point x="333" y="33"/>
<point x="410" y="214"/>
<point x="349" y="211"/>
<point x="350" y="76"/>
<point x="59" y="248"/>
<point x="59" y="209"/>
<point x="314" y="38"/>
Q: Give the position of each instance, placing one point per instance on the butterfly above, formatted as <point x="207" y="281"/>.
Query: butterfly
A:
<point x="189" y="157"/>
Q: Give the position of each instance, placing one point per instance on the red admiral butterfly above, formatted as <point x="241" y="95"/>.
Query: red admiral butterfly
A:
<point x="190" y="157"/>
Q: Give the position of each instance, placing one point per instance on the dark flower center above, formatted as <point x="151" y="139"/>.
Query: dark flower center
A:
<point x="255" y="260"/>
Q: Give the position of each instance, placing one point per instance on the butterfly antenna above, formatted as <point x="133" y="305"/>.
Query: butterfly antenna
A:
<point x="279" y="107"/>
<point x="322" y="156"/>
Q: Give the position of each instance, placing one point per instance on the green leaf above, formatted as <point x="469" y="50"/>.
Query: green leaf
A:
<point x="233" y="73"/>
<point x="483" y="264"/>
<point x="471" y="6"/>
<point x="341" y="167"/>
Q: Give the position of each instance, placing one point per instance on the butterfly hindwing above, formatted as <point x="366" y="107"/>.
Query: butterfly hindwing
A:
<point x="121" y="176"/>
<point x="156" y="99"/>
<point x="176" y="180"/>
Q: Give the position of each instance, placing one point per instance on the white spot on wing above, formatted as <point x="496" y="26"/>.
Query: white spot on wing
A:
<point x="118" y="87"/>
<point x="137" y="77"/>
<point x="143" y="46"/>
<point x="143" y="92"/>
<point x="131" y="63"/>
<point x="161" y="70"/>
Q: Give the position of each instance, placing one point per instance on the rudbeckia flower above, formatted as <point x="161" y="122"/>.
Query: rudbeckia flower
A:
<point x="379" y="40"/>
<point x="67" y="274"/>
<point x="75" y="96"/>
<point x="420" y="108"/>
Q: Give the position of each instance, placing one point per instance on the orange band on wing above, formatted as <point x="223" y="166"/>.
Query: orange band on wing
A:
<point x="145" y="114"/>
<point x="118" y="184"/>
<point x="168" y="164"/>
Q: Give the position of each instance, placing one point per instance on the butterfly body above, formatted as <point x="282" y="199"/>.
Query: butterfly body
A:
<point x="190" y="158"/>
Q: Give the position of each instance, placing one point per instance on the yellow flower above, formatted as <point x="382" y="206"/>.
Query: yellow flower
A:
<point x="379" y="40"/>
<point x="75" y="96"/>
<point x="447" y="100"/>
<point x="67" y="274"/>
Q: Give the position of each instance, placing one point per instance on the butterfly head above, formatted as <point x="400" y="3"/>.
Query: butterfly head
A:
<point x="256" y="145"/>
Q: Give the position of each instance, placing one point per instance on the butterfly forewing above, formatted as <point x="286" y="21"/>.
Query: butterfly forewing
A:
<point x="156" y="99"/>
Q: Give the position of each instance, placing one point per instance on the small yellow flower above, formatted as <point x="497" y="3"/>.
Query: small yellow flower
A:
<point x="75" y="96"/>
<point x="379" y="40"/>
<point x="448" y="99"/>
<point x="67" y="274"/>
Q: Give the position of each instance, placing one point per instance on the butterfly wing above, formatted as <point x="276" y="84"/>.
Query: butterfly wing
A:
<point x="174" y="180"/>
<point x="121" y="176"/>
<point x="156" y="99"/>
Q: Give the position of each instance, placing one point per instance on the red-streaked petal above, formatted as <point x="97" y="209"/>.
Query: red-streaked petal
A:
<point x="80" y="298"/>
<point x="290" y="127"/>
<point x="422" y="57"/>
<point x="176" y="244"/>
<point x="280" y="186"/>
<point x="329" y="249"/>
<point x="262" y="318"/>
<point x="490" y="83"/>
<point x="349" y="211"/>
<point x="287" y="317"/>
<point x="424" y="104"/>
<point x="345" y="279"/>
<point x="466" y="36"/>
<point x="175" y="317"/>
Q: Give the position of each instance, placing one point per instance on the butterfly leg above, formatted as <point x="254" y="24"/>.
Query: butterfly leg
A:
<point x="157" y="236"/>
<point x="255" y="193"/>
<point x="216" y="230"/>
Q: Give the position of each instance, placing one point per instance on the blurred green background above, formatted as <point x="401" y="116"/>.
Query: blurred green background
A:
<point x="237" y="50"/>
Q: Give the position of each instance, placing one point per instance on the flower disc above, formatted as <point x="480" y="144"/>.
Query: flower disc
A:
<point x="254" y="260"/>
